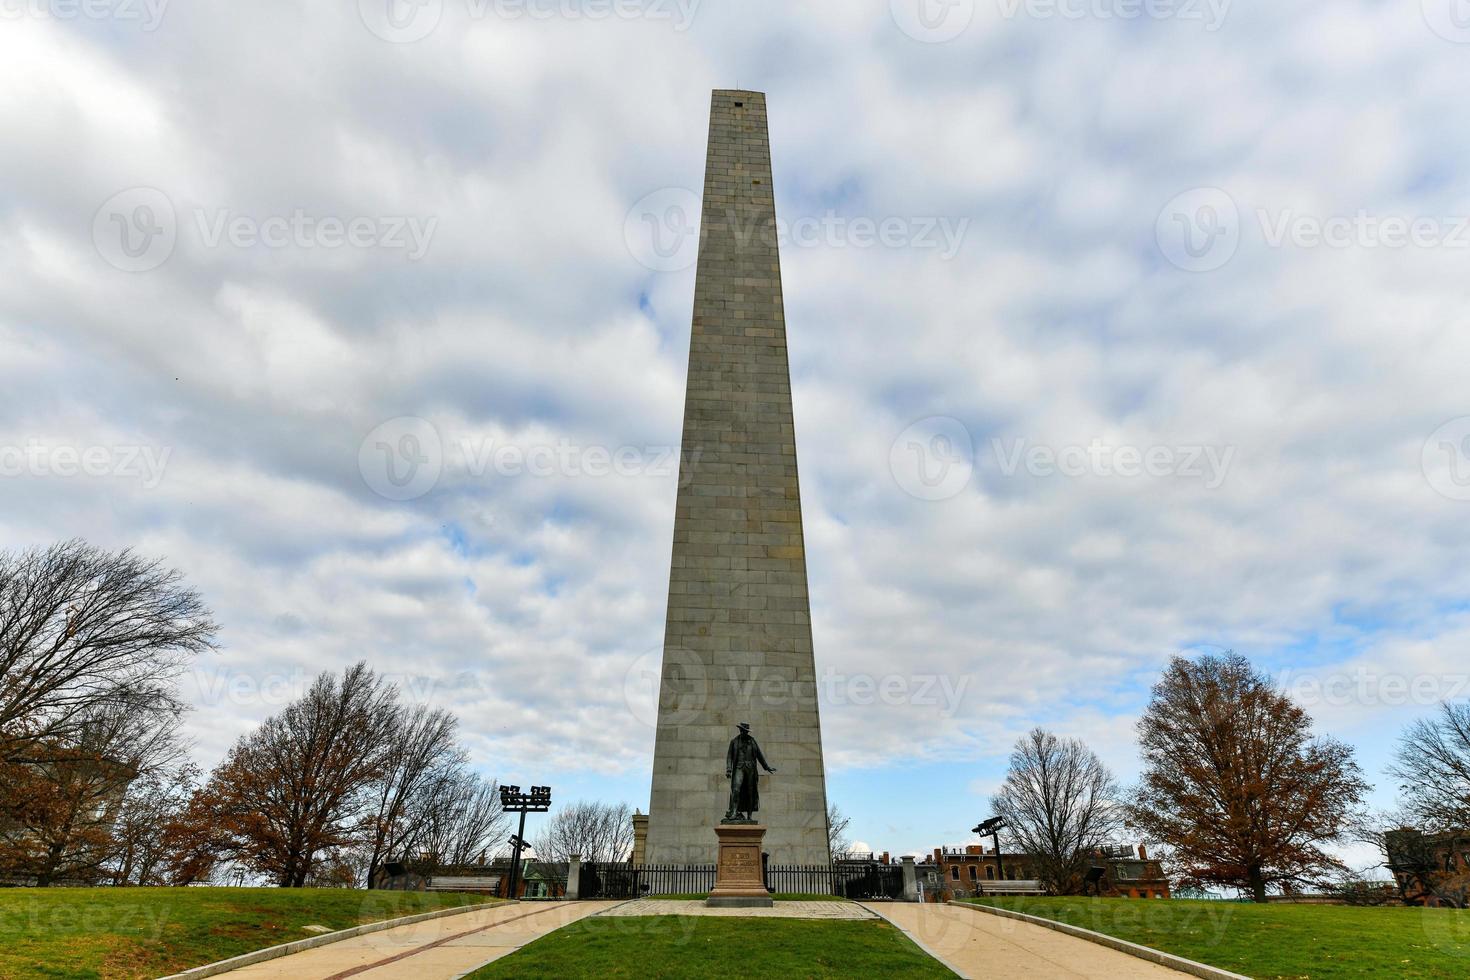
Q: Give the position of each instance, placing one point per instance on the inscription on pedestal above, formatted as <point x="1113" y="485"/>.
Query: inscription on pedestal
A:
<point x="738" y="879"/>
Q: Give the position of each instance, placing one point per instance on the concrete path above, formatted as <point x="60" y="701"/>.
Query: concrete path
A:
<point x="974" y="944"/>
<point x="781" y="910"/>
<point x="443" y="948"/>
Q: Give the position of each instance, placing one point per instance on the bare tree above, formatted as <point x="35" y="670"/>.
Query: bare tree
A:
<point x="839" y="845"/>
<point x="1432" y="765"/>
<point x="1060" y="804"/>
<point x="600" y="832"/>
<point x="299" y="785"/>
<point x="82" y="627"/>
<point x="1235" y="785"/>
<point x="420" y="745"/>
<point x="459" y="818"/>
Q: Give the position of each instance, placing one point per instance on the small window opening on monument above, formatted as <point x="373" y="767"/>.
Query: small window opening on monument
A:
<point x="740" y="105"/>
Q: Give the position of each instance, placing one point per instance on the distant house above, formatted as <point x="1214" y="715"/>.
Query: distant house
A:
<point x="1131" y="874"/>
<point x="537" y="879"/>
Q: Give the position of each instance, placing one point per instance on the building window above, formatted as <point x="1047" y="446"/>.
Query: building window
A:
<point x="973" y="874"/>
<point x="954" y="871"/>
<point x="989" y="873"/>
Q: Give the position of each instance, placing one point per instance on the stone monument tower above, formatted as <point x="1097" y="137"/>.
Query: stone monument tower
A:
<point x="738" y="640"/>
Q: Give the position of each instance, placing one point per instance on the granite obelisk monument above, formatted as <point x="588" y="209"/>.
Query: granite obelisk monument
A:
<point x="738" y="640"/>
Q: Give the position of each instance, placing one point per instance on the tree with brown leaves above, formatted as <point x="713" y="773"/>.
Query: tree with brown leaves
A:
<point x="299" y="785"/>
<point x="1235" y="784"/>
<point x="64" y="793"/>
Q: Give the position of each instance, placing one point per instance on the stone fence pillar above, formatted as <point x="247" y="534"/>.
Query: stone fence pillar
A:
<point x="910" y="880"/>
<point x="574" y="877"/>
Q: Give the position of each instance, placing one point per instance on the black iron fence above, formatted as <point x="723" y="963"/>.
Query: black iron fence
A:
<point x="638" y="880"/>
<point x="847" y="879"/>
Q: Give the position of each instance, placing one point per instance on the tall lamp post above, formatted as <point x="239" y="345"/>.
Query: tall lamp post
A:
<point x="992" y="826"/>
<point x="513" y="800"/>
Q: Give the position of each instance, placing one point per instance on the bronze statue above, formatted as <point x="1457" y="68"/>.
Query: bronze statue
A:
<point x="740" y="768"/>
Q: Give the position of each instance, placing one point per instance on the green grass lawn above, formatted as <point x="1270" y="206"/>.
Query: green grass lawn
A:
<point x="680" y="946"/>
<point x="1277" y="941"/>
<point x="78" y="933"/>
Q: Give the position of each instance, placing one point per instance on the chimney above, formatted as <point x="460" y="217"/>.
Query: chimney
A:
<point x="1142" y="853"/>
<point x="974" y="849"/>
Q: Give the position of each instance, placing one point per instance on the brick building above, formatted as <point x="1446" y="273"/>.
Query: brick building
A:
<point x="961" y="872"/>
<point x="1432" y="870"/>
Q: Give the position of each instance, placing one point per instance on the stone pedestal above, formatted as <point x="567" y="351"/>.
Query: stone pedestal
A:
<point x="739" y="883"/>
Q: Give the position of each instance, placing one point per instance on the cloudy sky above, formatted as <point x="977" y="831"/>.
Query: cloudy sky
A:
<point x="1116" y="330"/>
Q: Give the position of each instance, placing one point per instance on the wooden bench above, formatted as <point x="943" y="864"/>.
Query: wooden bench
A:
<point x="1022" y="887"/>
<point x="439" y="883"/>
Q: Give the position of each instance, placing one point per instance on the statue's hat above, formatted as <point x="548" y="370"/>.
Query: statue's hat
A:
<point x="744" y="726"/>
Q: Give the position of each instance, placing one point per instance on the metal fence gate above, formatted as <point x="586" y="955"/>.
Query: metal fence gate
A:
<point x="848" y="879"/>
